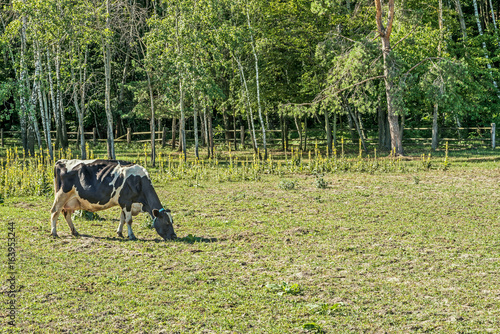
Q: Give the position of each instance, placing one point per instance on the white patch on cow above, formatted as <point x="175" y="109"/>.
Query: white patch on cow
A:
<point x="135" y="170"/>
<point x="116" y="174"/>
<point x="70" y="164"/>
<point x="76" y="202"/>
<point x="170" y="216"/>
<point x="131" y="235"/>
<point x="136" y="209"/>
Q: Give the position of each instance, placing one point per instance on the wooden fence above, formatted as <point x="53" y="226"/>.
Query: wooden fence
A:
<point x="463" y="136"/>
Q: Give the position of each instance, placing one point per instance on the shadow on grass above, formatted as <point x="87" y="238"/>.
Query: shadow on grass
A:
<point x="189" y="239"/>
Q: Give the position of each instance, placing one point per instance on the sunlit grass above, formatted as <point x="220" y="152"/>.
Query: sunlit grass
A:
<point x="389" y="252"/>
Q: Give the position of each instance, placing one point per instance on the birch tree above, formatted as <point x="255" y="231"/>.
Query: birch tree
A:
<point x="390" y="74"/>
<point x="485" y="49"/>
<point x="257" y="82"/>
<point x="435" y="138"/>
<point x="107" y="74"/>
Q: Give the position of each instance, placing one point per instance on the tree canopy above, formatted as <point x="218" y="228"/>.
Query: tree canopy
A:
<point x="258" y="63"/>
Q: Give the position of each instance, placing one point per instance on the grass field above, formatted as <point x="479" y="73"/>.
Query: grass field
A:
<point x="388" y="252"/>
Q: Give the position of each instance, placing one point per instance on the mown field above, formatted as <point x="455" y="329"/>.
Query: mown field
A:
<point x="382" y="252"/>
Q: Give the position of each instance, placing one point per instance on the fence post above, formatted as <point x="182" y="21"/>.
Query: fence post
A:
<point x="1" y="137"/>
<point x="94" y="135"/>
<point x="129" y="135"/>
<point x="493" y="139"/>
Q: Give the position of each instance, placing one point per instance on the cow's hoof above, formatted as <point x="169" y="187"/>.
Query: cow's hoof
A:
<point x="120" y="234"/>
<point x="133" y="238"/>
<point x="54" y="235"/>
<point x="75" y="233"/>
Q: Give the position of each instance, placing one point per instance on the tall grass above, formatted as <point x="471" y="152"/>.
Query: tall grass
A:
<point x="22" y="175"/>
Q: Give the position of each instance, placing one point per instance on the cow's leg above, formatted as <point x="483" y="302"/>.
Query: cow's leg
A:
<point x="128" y="220"/>
<point x="53" y="218"/>
<point x="119" y="231"/>
<point x="67" y="215"/>
<point x="59" y="202"/>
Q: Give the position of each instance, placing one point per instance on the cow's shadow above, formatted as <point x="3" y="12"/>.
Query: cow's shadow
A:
<point x="189" y="239"/>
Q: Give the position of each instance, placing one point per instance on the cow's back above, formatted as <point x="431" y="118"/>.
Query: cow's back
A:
<point x="95" y="181"/>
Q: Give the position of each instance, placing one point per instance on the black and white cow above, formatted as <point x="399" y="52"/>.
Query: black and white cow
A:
<point x="95" y="185"/>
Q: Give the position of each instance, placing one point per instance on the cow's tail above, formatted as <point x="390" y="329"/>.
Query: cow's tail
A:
<point x="57" y="178"/>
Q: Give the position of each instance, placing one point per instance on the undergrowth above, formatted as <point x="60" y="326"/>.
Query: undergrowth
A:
<point x="22" y="174"/>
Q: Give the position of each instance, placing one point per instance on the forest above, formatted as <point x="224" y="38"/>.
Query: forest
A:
<point x="203" y="68"/>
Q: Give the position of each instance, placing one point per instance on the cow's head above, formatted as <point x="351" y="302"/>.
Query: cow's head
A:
<point x="162" y="222"/>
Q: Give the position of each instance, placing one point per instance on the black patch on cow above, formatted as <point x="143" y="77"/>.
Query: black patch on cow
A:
<point x="135" y="190"/>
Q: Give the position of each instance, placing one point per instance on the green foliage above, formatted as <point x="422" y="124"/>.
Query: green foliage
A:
<point x="312" y="327"/>
<point x="285" y="289"/>
<point x="307" y="52"/>
<point x="86" y="215"/>
<point x="320" y="182"/>
<point x="191" y="239"/>
<point x="325" y="309"/>
<point x="287" y="184"/>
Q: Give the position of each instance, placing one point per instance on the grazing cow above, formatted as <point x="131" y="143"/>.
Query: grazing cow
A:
<point x="95" y="185"/>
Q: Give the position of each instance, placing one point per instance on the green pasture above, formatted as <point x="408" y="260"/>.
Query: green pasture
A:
<point x="402" y="250"/>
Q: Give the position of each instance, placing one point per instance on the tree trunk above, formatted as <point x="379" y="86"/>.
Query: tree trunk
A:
<point x="494" y="24"/>
<point x="361" y="128"/>
<point x="305" y="132"/>
<point x="225" y="121"/>
<point x="55" y="100"/>
<point x="251" y="126"/>
<point x="174" y="132"/>
<point x="384" y="135"/>
<point x="258" y="87"/>
<point x="152" y="124"/>
<point x="235" y="141"/>
<point x="357" y="124"/>
<point x="461" y="19"/>
<point x="60" y="105"/>
<point x="51" y="87"/>
<point x="195" y="118"/>
<point x="484" y="48"/>
<point x="183" y="121"/>
<point x="203" y="127"/>
<point x="390" y="76"/>
<point x="210" y="136"/>
<point x="435" y="139"/>
<point x="435" y="134"/>
<point x="282" y="126"/>
<point x="328" y="130"/>
<point x="124" y="78"/>
<point x="43" y="106"/>
<point x="252" y="134"/>
<point x="23" y="89"/>
<point x="107" y="74"/>
<point x="33" y="123"/>
<point x="299" y="130"/>
<point x="335" y="129"/>
<point x="350" y="123"/>
<point x="457" y="122"/>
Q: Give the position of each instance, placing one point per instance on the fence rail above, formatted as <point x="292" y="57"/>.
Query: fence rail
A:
<point x="486" y="135"/>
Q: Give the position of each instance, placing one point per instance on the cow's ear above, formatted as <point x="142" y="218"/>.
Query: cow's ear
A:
<point x="156" y="213"/>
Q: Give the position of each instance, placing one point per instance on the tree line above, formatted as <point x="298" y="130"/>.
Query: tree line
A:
<point x="113" y="64"/>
